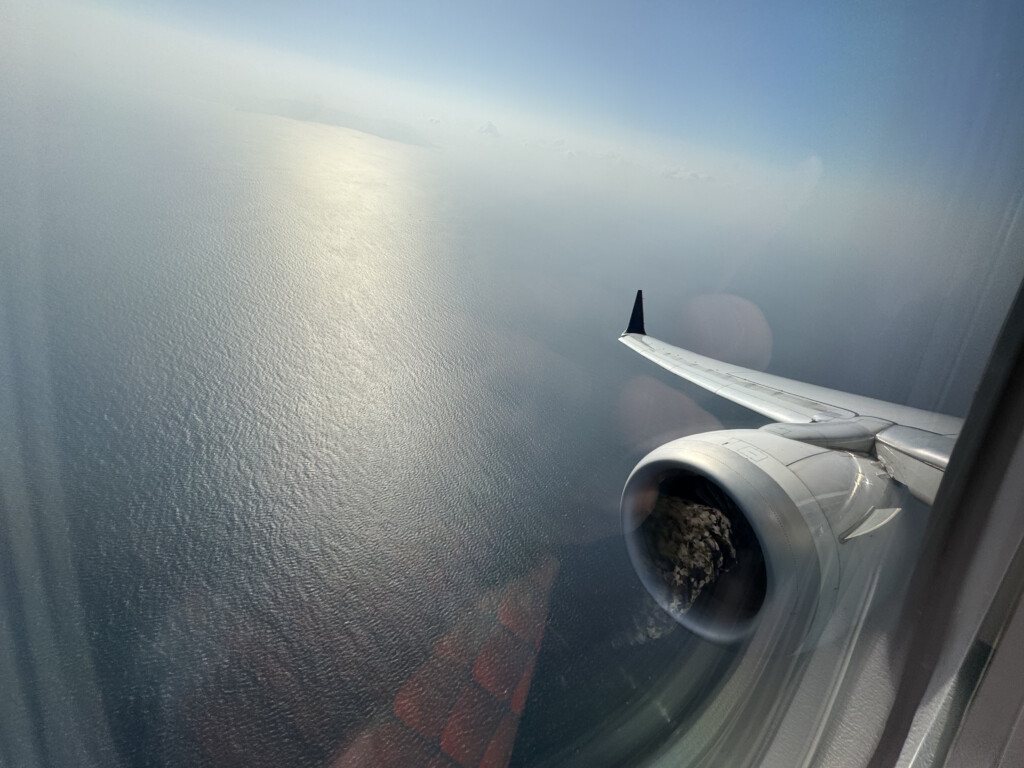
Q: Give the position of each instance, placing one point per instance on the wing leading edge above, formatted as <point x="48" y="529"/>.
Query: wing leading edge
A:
<point x="914" y="445"/>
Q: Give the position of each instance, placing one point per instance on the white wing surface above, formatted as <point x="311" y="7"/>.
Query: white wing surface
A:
<point x="912" y="443"/>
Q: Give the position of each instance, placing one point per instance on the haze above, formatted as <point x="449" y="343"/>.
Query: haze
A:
<point x="308" y="336"/>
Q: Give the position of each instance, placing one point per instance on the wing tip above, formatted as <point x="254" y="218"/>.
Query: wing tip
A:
<point x="636" y="320"/>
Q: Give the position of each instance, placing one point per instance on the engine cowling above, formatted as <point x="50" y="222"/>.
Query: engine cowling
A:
<point x="742" y="529"/>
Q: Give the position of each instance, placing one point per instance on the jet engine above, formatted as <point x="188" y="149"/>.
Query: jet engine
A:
<point x="738" y="529"/>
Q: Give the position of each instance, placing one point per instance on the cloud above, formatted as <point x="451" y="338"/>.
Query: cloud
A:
<point x="684" y="175"/>
<point x="295" y="109"/>
<point x="490" y="129"/>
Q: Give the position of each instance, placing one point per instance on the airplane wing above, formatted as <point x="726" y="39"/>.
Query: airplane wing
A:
<point x="914" y="445"/>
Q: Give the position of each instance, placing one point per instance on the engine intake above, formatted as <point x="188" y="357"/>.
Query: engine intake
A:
<point x="737" y="529"/>
<point x="701" y="553"/>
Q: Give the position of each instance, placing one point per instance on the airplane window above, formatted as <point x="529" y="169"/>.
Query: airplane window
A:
<point x="314" y="427"/>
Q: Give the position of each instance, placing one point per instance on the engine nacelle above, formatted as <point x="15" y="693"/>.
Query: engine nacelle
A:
<point x="739" y="529"/>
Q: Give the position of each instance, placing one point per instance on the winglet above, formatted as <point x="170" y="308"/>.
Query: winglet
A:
<point x="636" y="320"/>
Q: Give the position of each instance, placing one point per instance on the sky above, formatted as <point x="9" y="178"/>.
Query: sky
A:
<point x="857" y="85"/>
<point x="788" y="79"/>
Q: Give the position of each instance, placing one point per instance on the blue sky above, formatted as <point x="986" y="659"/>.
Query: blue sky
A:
<point x="787" y="79"/>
